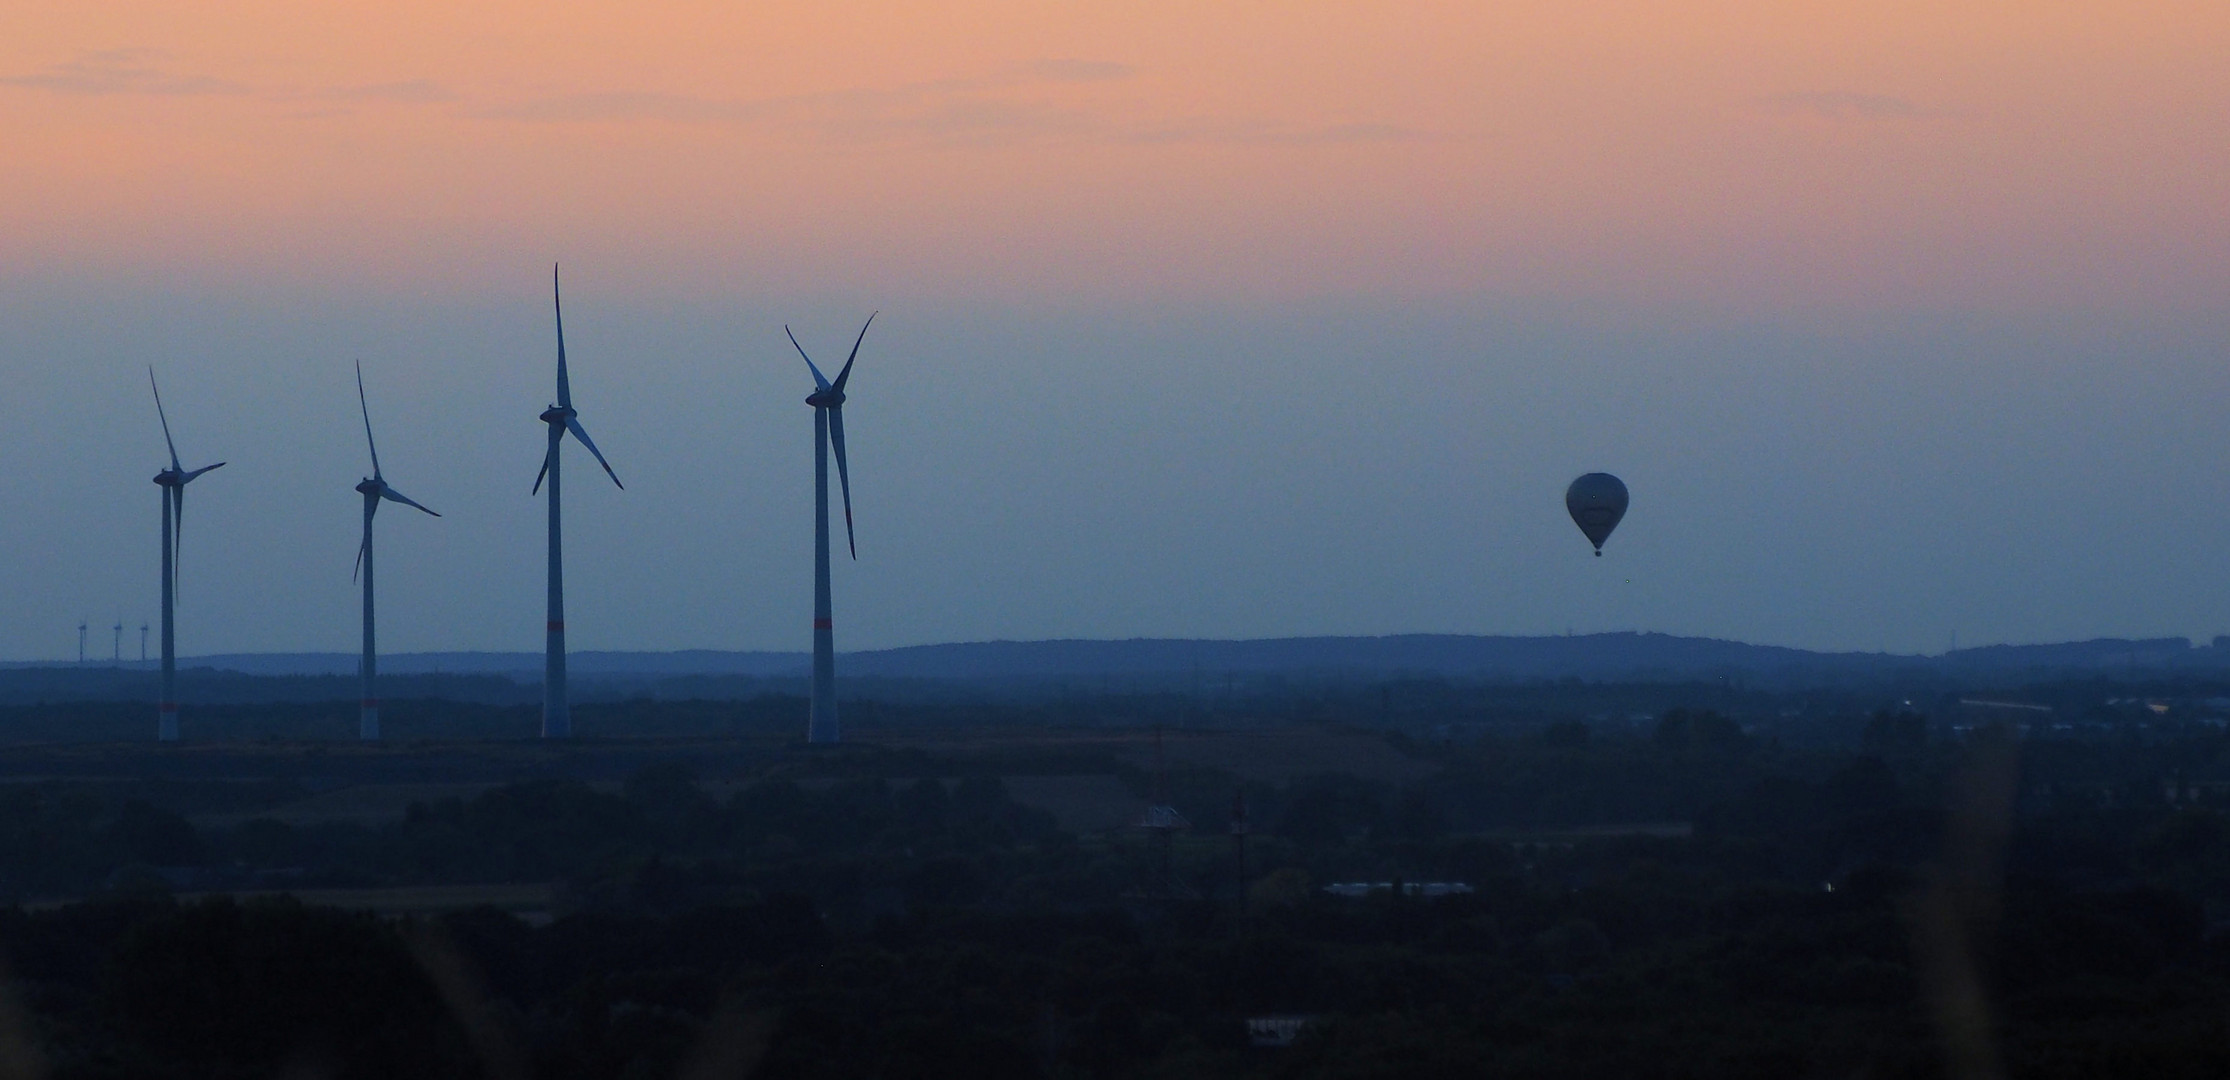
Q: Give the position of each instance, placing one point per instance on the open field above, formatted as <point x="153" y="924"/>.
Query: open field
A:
<point x="1089" y="779"/>
<point x="1662" y="830"/>
<point x="1275" y="754"/>
<point x="531" y="902"/>
<point x="361" y="804"/>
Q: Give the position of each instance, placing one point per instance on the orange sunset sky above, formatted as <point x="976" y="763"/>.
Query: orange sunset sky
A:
<point x="1746" y="155"/>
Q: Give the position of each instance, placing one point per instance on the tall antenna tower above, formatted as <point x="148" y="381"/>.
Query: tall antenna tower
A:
<point x="1162" y="822"/>
<point x="1239" y="830"/>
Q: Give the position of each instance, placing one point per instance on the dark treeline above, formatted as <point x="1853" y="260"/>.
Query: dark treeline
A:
<point x="1034" y="668"/>
<point x="43" y="705"/>
<point x="527" y="811"/>
<point x="205" y="686"/>
<point x="403" y="720"/>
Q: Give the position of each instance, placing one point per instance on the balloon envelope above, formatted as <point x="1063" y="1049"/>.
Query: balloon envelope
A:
<point x="1596" y="501"/>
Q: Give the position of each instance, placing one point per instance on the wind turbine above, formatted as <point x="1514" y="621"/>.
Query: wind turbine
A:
<point x="827" y="400"/>
<point x="374" y="489"/>
<point x="173" y="481"/>
<point x="557" y="718"/>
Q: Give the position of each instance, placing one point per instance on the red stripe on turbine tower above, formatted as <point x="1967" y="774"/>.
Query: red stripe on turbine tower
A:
<point x="557" y="626"/>
<point x="824" y="624"/>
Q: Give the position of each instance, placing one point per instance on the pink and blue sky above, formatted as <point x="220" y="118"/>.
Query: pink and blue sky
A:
<point x="1200" y="320"/>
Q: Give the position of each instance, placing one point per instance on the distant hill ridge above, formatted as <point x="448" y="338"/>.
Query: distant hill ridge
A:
<point x="1613" y="656"/>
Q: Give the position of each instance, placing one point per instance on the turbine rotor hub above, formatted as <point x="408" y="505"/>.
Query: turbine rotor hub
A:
<point x="826" y="399"/>
<point x="170" y="478"/>
<point x="558" y="414"/>
<point x="370" y="487"/>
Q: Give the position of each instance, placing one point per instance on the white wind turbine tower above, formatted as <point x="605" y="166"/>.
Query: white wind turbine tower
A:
<point x="374" y="488"/>
<point x="557" y="717"/>
<point x="827" y="400"/>
<point x="173" y="481"/>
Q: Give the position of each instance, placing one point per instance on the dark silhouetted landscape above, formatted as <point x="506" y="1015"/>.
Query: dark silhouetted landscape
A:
<point x="1765" y="863"/>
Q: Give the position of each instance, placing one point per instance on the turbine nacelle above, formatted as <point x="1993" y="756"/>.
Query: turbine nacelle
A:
<point x="559" y="415"/>
<point x="829" y="398"/>
<point x="371" y="486"/>
<point x="175" y="477"/>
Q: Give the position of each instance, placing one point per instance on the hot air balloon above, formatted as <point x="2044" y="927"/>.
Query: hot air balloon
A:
<point x="1596" y="501"/>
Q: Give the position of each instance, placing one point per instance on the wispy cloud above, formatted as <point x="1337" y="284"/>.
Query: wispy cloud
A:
<point x="981" y="120"/>
<point x="122" y="71"/>
<point x="1843" y="105"/>
<point x="1014" y="105"/>
<point x="937" y="111"/>
<point x="1266" y="133"/>
<point x="1072" y="70"/>
<point x="142" y="72"/>
<point x="1040" y="100"/>
<point x="999" y="108"/>
<point x="622" y="105"/>
<point x="407" y="91"/>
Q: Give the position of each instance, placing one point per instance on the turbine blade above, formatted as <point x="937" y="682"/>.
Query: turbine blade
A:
<point x="367" y="418"/>
<point x="393" y="495"/>
<point x="565" y="385"/>
<point x="843" y="474"/>
<point x="818" y="380"/>
<point x="361" y="549"/>
<point x="189" y="477"/>
<point x="845" y="375"/>
<point x="545" y="466"/>
<point x="573" y="424"/>
<point x="160" y="416"/>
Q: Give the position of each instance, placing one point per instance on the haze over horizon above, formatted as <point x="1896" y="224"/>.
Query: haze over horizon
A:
<point x="1254" y="321"/>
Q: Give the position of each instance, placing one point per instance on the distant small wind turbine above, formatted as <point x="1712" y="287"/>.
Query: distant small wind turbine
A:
<point x="173" y="481"/>
<point x="557" y="717"/>
<point x="374" y="488"/>
<point x="827" y="400"/>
